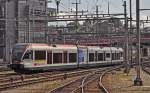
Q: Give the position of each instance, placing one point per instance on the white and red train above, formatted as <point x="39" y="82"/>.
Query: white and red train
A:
<point x="32" y="56"/>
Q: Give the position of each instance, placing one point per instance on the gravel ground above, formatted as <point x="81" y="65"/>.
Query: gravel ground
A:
<point x="116" y="82"/>
<point x="119" y="82"/>
<point x="38" y="88"/>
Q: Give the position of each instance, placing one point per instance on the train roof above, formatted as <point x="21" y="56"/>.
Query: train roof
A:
<point x="43" y="46"/>
<point x="111" y="49"/>
<point x="46" y="46"/>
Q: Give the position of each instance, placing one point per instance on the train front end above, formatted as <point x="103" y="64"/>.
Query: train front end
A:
<point x="17" y="54"/>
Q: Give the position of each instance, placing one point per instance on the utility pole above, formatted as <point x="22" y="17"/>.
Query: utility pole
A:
<point x="138" y="80"/>
<point x="46" y="23"/>
<point x="130" y="33"/>
<point x="108" y="8"/>
<point x="33" y="23"/>
<point x="97" y="24"/>
<point x="57" y="4"/>
<point x="76" y="14"/>
<point x="5" y="32"/>
<point x="28" y="22"/>
<point x="127" y="39"/>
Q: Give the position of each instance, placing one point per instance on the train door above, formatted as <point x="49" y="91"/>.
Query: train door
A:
<point x="100" y="56"/>
<point x="104" y="56"/>
<point x="49" y="57"/>
<point x="80" y="56"/>
<point x="65" y="57"/>
<point x="39" y="57"/>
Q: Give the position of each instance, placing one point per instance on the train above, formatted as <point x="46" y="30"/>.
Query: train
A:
<point x="37" y="56"/>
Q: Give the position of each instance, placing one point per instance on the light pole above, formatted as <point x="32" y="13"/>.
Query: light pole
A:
<point x="138" y="81"/>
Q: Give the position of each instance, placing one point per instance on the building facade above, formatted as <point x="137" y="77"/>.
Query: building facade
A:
<point x="22" y="21"/>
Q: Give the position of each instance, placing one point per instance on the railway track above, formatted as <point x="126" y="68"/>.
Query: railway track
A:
<point x="8" y="83"/>
<point x="4" y="68"/>
<point x="90" y="83"/>
<point x="5" y="77"/>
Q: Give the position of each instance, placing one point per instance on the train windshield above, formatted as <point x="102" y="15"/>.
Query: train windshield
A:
<point x="28" y="55"/>
<point x="18" y="51"/>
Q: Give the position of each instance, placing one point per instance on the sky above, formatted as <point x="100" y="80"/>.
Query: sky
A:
<point x="116" y="6"/>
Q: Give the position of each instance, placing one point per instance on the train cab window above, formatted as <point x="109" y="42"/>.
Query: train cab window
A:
<point x="72" y="57"/>
<point x="108" y="55"/>
<point x="28" y="55"/>
<point x="91" y="57"/>
<point x="40" y="55"/>
<point x="57" y="58"/>
<point x="100" y="56"/>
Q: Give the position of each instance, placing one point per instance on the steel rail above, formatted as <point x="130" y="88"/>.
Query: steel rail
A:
<point x="45" y="78"/>
<point x="73" y="82"/>
<point x="101" y="85"/>
<point x="84" y="81"/>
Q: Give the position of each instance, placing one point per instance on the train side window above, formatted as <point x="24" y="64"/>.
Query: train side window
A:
<point x="108" y="55"/>
<point x="65" y="57"/>
<point x="145" y="52"/>
<point x="49" y="57"/>
<point x="40" y="55"/>
<point x="100" y="56"/>
<point x="28" y="55"/>
<point x="91" y="57"/>
<point x="118" y="56"/>
<point x="113" y="56"/>
<point x="57" y="58"/>
<point x="121" y="54"/>
<point x="72" y="57"/>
